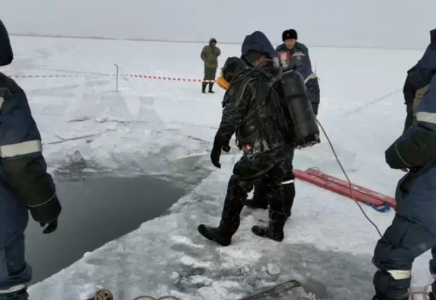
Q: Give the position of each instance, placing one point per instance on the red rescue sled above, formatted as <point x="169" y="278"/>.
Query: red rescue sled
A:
<point x="376" y="200"/>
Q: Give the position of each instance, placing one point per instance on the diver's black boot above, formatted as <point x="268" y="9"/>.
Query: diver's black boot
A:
<point x="274" y="230"/>
<point x="230" y="220"/>
<point x="221" y="235"/>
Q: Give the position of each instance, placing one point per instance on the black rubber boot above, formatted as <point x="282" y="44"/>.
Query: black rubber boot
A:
<point x="230" y="220"/>
<point x="210" y="88"/>
<point x="204" y="85"/>
<point x="274" y="230"/>
<point x="221" y="235"/>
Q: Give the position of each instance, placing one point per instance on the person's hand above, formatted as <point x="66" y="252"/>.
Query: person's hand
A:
<point x="226" y="148"/>
<point x="51" y="227"/>
<point x="216" y="154"/>
<point x="394" y="159"/>
<point x="215" y="157"/>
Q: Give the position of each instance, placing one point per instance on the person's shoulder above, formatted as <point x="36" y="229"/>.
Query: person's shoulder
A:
<point x="301" y="46"/>
<point x="8" y="84"/>
<point x="280" y="47"/>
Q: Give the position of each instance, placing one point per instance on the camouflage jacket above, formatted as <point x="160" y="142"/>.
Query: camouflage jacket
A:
<point x="210" y="56"/>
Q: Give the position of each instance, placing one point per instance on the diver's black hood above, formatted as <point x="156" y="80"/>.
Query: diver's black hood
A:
<point x="6" y="54"/>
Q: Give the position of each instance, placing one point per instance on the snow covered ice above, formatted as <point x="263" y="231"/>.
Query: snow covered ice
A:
<point x="166" y="128"/>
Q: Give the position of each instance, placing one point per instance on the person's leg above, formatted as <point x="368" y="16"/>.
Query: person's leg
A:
<point x="259" y="200"/>
<point x="394" y="255"/>
<point x="278" y="215"/>
<point x="210" y="75"/>
<point x="240" y="184"/>
<point x="288" y="183"/>
<point x="15" y="273"/>
<point x="204" y="84"/>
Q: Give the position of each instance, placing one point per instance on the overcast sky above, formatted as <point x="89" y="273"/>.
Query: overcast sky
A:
<point x="355" y="23"/>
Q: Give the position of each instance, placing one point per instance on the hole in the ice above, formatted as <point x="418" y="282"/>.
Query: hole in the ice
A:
<point x="96" y="210"/>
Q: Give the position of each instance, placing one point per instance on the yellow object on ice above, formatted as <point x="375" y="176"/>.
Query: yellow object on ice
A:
<point x="223" y="83"/>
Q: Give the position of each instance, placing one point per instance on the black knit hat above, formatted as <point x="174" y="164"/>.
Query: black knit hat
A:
<point x="433" y="35"/>
<point x="212" y="40"/>
<point x="290" y="34"/>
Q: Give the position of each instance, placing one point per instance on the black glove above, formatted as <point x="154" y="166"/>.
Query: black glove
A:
<point x="51" y="227"/>
<point x="215" y="157"/>
<point x="216" y="153"/>
<point x="394" y="158"/>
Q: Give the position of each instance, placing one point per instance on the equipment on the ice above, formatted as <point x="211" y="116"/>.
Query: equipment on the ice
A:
<point x="295" y="100"/>
<point x="232" y="67"/>
<point x="102" y="294"/>
<point x="275" y="291"/>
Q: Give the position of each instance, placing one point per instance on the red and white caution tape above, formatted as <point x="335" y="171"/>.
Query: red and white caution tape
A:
<point x="123" y="75"/>
<point x="167" y="78"/>
<point x="57" y="76"/>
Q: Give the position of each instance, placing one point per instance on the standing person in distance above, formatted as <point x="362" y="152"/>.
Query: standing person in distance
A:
<point x="291" y="47"/>
<point x="25" y="184"/>
<point x="209" y="55"/>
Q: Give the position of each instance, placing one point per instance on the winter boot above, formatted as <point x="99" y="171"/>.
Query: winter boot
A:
<point x="230" y="220"/>
<point x="431" y="296"/>
<point x="203" y="87"/>
<point x="274" y="230"/>
<point x="221" y="235"/>
<point x="210" y="88"/>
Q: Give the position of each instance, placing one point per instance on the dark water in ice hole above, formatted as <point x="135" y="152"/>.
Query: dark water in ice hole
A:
<point x="96" y="211"/>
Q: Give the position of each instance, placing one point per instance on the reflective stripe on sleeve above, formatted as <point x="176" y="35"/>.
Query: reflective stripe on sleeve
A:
<point x="13" y="289"/>
<point x="426" y="117"/>
<point x="310" y="77"/>
<point x="400" y="274"/>
<point x="20" y="149"/>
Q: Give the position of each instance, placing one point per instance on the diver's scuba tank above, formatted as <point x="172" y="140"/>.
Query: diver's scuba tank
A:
<point x="295" y="100"/>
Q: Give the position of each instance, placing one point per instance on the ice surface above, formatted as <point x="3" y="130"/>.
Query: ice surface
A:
<point x="166" y="128"/>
